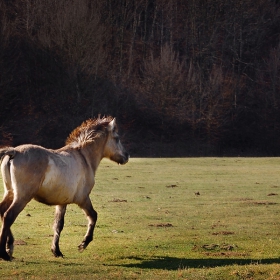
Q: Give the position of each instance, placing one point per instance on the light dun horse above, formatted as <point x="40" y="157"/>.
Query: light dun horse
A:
<point x="57" y="177"/>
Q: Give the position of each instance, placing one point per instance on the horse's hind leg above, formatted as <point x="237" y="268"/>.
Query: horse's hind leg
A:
<point x="4" y="205"/>
<point x="58" y="227"/>
<point x="6" y="238"/>
<point x="7" y="199"/>
<point x="92" y="218"/>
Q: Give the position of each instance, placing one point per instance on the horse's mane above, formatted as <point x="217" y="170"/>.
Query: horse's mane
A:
<point x="88" y="131"/>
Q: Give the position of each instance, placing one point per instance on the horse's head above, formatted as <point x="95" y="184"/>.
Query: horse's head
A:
<point x="114" y="150"/>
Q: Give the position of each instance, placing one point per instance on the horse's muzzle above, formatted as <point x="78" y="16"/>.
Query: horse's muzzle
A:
<point x="124" y="158"/>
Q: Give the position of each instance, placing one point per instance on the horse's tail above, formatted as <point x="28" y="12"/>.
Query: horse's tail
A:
<point x="10" y="151"/>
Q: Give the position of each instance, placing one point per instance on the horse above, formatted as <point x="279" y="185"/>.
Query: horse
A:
<point x="57" y="177"/>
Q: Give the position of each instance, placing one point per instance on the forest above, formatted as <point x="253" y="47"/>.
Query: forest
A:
<point x="182" y="77"/>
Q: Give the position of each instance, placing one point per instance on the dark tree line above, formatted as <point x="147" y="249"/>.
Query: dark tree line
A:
<point x="203" y="73"/>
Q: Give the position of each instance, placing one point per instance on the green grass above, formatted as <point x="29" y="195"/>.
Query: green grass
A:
<point x="152" y="225"/>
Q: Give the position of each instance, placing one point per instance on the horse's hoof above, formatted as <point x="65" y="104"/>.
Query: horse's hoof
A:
<point x="81" y="247"/>
<point x="57" y="253"/>
<point x="5" y="256"/>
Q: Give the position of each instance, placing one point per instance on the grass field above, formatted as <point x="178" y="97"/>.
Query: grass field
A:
<point x="187" y="218"/>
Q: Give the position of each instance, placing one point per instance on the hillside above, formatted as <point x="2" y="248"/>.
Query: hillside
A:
<point x="182" y="77"/>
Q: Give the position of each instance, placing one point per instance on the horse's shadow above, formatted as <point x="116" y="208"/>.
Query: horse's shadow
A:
<point x="172" y="263"/>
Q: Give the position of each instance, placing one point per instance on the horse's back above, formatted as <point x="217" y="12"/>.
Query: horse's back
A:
<point x="31" y="159"/>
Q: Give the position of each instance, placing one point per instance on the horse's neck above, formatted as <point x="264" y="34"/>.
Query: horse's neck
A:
<point x="93" y="154"/>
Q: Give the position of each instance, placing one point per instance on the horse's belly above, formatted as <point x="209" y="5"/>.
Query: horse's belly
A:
<point x="54" y="196"/>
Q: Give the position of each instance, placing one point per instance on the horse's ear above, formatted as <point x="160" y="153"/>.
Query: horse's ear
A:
<point x="112" y="125"/>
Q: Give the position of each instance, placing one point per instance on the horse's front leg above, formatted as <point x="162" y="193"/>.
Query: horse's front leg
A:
<point x="92" y="218"/>
<point x="58" y="227"/>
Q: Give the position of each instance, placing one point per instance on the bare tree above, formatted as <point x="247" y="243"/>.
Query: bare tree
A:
<point x="163" y="80"/>
<point x="73" y="30"/>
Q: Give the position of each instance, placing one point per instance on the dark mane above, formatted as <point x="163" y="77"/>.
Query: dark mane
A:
<point x="88" y="131"/>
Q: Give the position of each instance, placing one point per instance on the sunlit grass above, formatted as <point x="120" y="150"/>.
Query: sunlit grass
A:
<point x="189" y="218"/>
